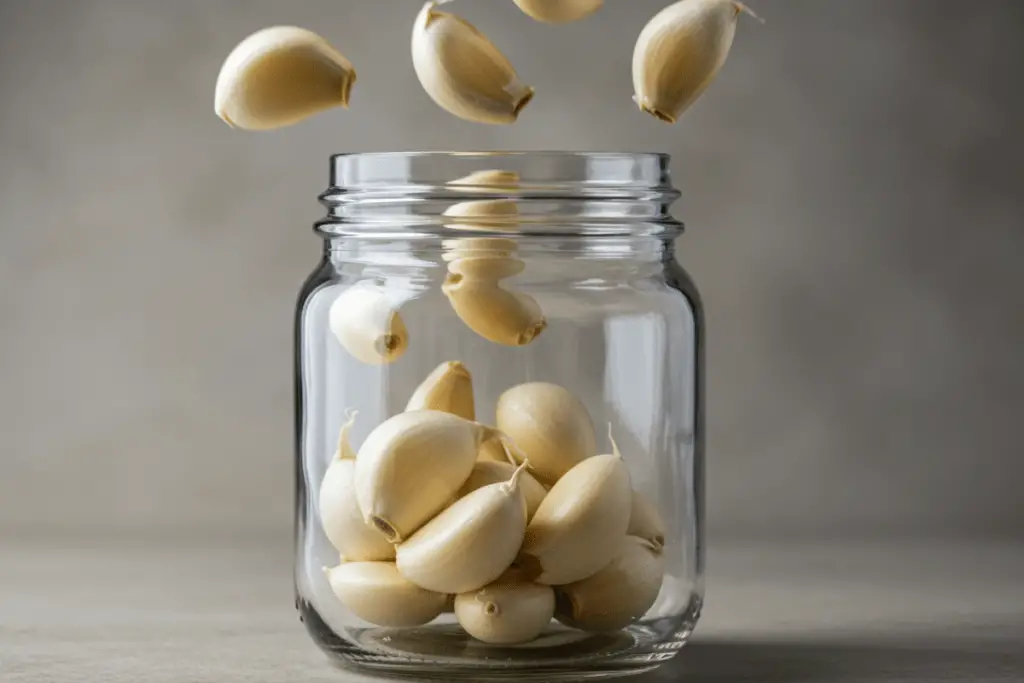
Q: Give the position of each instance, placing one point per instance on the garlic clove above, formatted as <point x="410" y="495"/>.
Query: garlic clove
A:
<point x="342" y="520"/>
<point x="679" y="53"/>
<point x="377" y="593"/>
<point x="617" y="595"/>
<point x="559" y="11"/>
<point x="488" y="180"/>
<point x="463" y="72"/>
<point x="549" y="425"/>
<point x="280" y="76"/>
<point x="645" y="522"/>
<point x="367" y="325"/>
<point x="471" y="543"/>
<point x="410" y="467"/>
<point x="487" y="472"/>
<point x="496" y="314"/>
<point x="449" y="388"/>
<point x="574" y="532"/>
<point x="509" y="611"/>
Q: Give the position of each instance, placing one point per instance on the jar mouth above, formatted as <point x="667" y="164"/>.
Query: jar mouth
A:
<point x="499" y="192"/>
<point x="536" y="169"/>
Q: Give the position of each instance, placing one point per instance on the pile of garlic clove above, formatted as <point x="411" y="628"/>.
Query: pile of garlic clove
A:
<point x="508" y="526"/>
<point x="282" y="75"/>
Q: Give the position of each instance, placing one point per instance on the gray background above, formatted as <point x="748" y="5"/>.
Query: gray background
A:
<point x="852" y="186"/>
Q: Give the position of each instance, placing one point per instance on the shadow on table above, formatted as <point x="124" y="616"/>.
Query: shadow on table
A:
<point x="739" y="661"/>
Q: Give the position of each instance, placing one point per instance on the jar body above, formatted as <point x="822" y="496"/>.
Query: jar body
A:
<point x="622" y="332"/>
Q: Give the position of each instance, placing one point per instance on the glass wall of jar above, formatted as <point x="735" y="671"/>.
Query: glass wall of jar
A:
<point x="499" y="386"/>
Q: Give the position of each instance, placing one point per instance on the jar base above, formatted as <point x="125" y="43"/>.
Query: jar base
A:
<point x="444" y="652"/>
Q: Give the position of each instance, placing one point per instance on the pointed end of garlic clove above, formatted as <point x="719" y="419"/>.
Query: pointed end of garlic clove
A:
<point x="743" y="9"/>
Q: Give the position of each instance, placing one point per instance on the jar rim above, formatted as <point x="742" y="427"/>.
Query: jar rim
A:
<point x="540" y="169"/>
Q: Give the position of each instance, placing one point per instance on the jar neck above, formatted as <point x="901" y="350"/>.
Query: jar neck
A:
<point x="533" y="196"/>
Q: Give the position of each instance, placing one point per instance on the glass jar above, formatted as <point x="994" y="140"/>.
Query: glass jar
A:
<point x="533" y="304"/>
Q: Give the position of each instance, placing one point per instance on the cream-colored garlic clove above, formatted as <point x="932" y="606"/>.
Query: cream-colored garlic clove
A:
<point x="410" y="467"/>
<point x="574" y="532"/>
<point x="616" y="596"/>
<point x="559" y="11"/>
<point x="488" y="180"/>
<point x="368" y="325"/>
<point x="471" y="543"/>
<point x="475" y="261"/>
<point x="483" y="258"/>
<point x="487" y="472"/>
<point x="549" y="425"/>
<point x="340" y="516"/>
<point x="343" y="521"/>
<point x="645" y="522"/>
<point x="679" y="53"/>
<point x="463" y="72"/>
<point x="496" y="314"/>
<point x="449" y="388"/>
<point x="509" y="611"/>
<point x="377" y="593"/>
<point x="280" y="76"/>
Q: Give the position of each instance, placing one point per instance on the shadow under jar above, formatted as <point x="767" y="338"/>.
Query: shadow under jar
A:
<point x="472" y="312"/>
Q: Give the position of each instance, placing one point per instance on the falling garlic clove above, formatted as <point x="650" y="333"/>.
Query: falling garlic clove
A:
<point x="679" y="53"/>
<point x="574" y="532"/>
<point x="559" y="11"/>
<point x="487" y="472"/>
<point x="496" y="314"/>
<point x="617" y="595"/>
<point x="463" y="72"/>
<point x="509" y="611"/>
<point x="279" y="76"/>
<point x="645" y="522"/>
<point x="377" y="593"/>
<point x="367" y="325"/>
<point x="549" y="425"/>
<point x="449" y="388"/>
<point x="471" y="543"/>
<point x="410" y="467"/>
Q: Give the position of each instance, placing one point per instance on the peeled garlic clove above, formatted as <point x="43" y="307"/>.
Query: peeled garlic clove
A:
<point x="574" y="532"/>
<point x="549" y="425"/>
<point x="559" y="11"/>
<point x="463" y="72"/>
<point x="616" y="596"/>
<point x="496" y="314"/>
<point x="367" y="325"/>
<point x="645" y="522"/>
<point x="471" y="543"/>
<point x="377" y="593"/>
<point x="280" y="76"/>
<point x="679" y="53"/>
<point x="487" y="472"/>
<point x="487" y="180"/>
<point x="342" y="519"/>
<point x="507" y="612"/>
<point x="449" y="388"/>
<point x="411" y="465"/>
